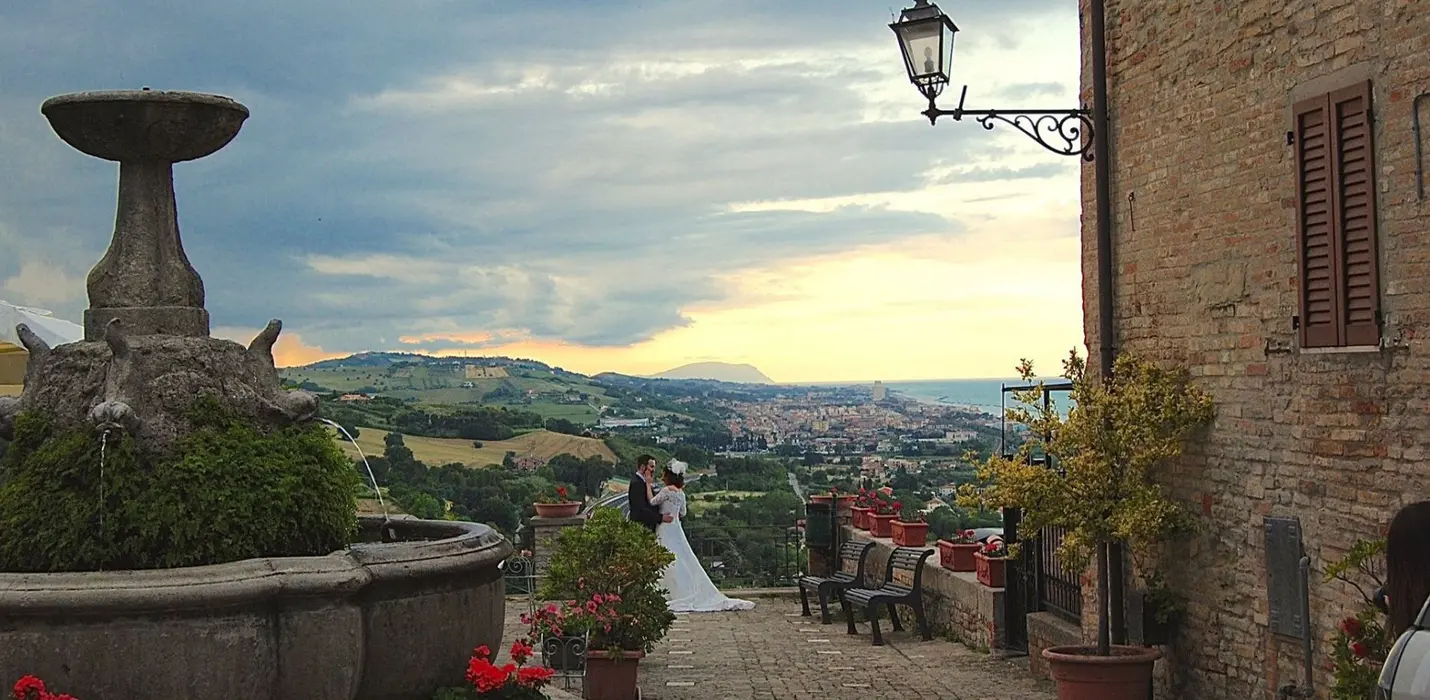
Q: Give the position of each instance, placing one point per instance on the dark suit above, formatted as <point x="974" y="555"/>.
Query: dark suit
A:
<point x="641" y="509"/>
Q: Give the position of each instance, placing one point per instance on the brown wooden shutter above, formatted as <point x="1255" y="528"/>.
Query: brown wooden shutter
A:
<point x="1335" y="164"/>
<point x="1351" y="123"/>
<point x="1316" y="218"/>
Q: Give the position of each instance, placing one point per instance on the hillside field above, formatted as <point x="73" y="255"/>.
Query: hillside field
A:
<point x="438" y="451"/>
<point x="445" y="385"/>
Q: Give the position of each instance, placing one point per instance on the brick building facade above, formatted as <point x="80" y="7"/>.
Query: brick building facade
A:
<point x="1272" y="239"/>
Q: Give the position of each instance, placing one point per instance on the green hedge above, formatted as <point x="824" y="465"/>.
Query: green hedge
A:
<point x="227" y="492"/>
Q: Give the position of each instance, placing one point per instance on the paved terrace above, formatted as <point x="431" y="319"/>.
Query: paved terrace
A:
<point x="771" y="653"/>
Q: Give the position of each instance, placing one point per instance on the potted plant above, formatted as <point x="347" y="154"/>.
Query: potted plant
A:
<point x="881" y="518"/>
<point x="562" y="631"/>
<point x="861" y="509"/>
<point x="1096" y="484"/>
<point x="556" y="504"/>
<point x="843" y="502"/>
<point x="512" y="681"/>
<point x="622" y="561"/>
<point x="1361" y="642"/>
<point x="1162" y="611"/>
<point x="32" y="688"/>
<point x="956" y="554"/>
<point x="990" y="562"/>
<point x="909" y="530"/>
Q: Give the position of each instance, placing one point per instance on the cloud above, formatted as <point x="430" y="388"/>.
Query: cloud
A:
<point x="40" y="282"/>
<point x="565" y="172"/>
<point x="289" y="351"/>
<point x="1024" y="92"/>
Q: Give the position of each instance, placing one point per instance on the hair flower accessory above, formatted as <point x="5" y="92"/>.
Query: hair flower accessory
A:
<point x="677" y="467"/>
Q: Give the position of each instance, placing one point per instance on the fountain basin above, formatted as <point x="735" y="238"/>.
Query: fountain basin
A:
<point x="381" y="620"/>
<point x="145" y="125"/>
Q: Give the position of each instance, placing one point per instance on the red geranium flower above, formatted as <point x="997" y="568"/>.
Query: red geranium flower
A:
<point x="1359" y="649"/>
<point x="520" y="651"/>
<point x="1352" y="627"/>
<point x="32" y="688"/>
<point x="534" y="676"/>
<point x="27" y="687"/>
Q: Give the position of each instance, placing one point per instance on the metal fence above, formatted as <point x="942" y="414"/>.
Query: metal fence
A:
<point x="746" y="556"/>
<point x="564" y="655"/>
<point x="1058" y="587"/>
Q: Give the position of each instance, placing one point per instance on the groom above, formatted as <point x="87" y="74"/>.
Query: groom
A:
<point x="641" y="509"/>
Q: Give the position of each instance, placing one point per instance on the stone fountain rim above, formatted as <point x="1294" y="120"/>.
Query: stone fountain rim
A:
<point x="142" y="96"/>
<point x="340" y="574"/>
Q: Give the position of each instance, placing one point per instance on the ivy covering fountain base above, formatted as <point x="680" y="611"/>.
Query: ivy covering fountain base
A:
<point x="173" y="523"/>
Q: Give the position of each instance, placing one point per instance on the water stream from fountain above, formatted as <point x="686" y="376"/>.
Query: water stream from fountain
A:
<point x="370" y="475"/>
<point x="103" y="444"/>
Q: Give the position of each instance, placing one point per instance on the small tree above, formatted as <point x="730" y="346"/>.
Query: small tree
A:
<point x="1095" y="483"/>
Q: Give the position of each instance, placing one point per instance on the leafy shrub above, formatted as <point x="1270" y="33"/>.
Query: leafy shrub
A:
<point x="1361" y="642"/>
<point x="227" y="492"/>
<point x="613" y="555"/>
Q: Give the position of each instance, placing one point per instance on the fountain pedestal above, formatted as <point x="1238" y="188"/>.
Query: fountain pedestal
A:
<point x="145" y="279"/>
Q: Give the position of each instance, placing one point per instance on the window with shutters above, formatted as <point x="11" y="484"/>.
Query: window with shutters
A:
<point x="1336" y="221"/>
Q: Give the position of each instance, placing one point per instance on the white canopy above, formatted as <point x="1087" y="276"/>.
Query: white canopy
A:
<point x="50" y="329"/>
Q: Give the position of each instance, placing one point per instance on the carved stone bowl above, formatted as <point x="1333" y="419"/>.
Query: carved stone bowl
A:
<point x="145" y="125"/>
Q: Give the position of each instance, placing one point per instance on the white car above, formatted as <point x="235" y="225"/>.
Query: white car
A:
<point x="1406" y="674"/>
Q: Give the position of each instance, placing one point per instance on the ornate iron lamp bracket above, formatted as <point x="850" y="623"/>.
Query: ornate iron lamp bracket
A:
<point x="1067" y="132"/>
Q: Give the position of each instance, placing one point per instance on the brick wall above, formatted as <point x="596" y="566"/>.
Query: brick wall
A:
<point x="1204" y="220"/>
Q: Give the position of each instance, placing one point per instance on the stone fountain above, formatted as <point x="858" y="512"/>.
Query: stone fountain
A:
<point x="393" y="615"/>
<point x="146" y="300"/>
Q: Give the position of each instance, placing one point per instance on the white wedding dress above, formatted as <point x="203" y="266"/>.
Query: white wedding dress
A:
<point x="688" y="587"/>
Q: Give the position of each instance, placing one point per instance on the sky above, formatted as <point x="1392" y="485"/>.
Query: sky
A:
<point x="603" y="186"/>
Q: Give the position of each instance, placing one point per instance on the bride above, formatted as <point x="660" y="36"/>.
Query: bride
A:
<point x="688" y="587"/>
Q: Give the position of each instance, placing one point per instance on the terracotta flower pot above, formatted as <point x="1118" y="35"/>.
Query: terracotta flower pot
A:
<point x="821" y="498"/>
<point x="611" y="677"/>
<point x="910" y="534"/>
<point x="992" y="571"/>
<point x="861" y="517"/>
<point x="1082" y="675"/>
<point x="568" y="509"/>
<point x="842" y="506"/>
<point x="957" y="557"/>
<point x="881" y="525"/>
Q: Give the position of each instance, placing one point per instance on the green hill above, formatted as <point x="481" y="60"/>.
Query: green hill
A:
<point x="453" y="381"/>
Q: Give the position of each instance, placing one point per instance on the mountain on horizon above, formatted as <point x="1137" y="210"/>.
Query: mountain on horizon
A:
<point x="717" y="371"/>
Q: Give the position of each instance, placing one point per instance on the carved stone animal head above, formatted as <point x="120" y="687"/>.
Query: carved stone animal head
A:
<point x="114" y="415"/>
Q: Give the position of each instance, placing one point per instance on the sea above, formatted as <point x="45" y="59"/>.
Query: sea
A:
<point x="983" y="394"/>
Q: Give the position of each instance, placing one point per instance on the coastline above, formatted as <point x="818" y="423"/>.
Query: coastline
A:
<point x="942" y="402"/>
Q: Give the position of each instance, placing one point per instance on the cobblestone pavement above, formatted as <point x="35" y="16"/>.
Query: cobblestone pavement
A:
<point x="771" y="653"/>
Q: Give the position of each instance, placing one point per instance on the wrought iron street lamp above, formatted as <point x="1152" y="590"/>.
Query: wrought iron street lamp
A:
<point x="926" y="39"/>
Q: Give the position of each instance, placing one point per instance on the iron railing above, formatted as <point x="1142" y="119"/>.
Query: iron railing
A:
<point x="566" y="656"/>
<point x="1058" y="587"/>
<point x="748" y="556"/>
